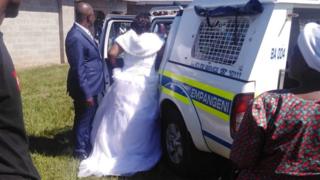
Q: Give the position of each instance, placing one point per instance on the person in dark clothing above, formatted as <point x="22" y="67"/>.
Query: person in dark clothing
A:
<point x="15" y="161"/>
<point x="86" y="76"/>
<point x="98" y="24"/>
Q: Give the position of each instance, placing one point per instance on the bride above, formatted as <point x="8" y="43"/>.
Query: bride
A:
<point x="126" y="132"/>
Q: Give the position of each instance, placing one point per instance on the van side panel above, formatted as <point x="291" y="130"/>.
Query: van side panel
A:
<point x="216" y="129"/>
<point x="175" y="92"/>
<point x="252" y="43"/>
<point x="272" y="55"/>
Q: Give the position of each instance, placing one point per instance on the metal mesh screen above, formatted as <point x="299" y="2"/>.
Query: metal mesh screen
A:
<point x="221" y="41"/>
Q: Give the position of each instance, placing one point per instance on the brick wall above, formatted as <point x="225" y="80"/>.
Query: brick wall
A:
<point x="33" y="37"/>
<point x="68" y="20"/>
<point x="136" y="9"/>
<point x="107" y="6"/>
<point x="116" y="5"/>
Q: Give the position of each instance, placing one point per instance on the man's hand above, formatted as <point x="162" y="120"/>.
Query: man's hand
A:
<point x="90" y="102"/>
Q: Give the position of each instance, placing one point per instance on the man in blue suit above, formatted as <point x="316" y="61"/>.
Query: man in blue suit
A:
<point x="86" y="76"/>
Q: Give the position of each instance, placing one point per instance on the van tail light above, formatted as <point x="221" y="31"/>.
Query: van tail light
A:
<point x="240" y="105"/>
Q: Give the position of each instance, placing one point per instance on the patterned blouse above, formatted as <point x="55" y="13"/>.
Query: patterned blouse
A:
<point x="279" y="138"/>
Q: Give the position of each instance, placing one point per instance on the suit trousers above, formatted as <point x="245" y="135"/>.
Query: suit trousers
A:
<point x="83" y="118"/>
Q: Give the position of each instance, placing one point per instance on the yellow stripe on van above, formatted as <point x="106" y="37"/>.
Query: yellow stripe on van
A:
<point x="200" y="85"/>
<point x="211" y="110"/>
<point x="171" y="93"/>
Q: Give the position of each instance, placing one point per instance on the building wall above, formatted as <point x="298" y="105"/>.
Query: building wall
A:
<point x="134" y="9"/>
<point x="67" y="22"/>
<point x="33" y="37"/>
<point x="116" y="5"/>
<point x="108" y="6"/>
<point x="100" y="5"/>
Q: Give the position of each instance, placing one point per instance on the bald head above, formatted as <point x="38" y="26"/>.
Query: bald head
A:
<point x="83" y="11"/>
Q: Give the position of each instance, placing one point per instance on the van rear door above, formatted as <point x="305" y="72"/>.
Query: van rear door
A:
<point x="300" y="17"/>
<point x="114" y="26"/>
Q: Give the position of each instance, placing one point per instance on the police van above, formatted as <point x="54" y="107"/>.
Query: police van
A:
<point x="219" y="56"/>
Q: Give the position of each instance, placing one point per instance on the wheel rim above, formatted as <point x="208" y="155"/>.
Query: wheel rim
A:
<point x="174" y="143"/>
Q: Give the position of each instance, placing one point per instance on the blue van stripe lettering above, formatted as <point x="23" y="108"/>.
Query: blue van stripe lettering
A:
<point x="212" y="100"/>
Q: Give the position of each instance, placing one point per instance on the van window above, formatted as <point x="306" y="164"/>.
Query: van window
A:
<point x="302" y="16"/>
<point x="162" y="29"/>
<point x="116" y="30"/>
<point x="219" y="40"/>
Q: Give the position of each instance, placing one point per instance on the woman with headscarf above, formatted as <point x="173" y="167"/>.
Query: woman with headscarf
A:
<point x="126" y="135"/>
<point x="279" y="137"/>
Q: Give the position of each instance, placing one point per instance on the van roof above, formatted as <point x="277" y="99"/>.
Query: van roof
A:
<point x="241" y="2"/>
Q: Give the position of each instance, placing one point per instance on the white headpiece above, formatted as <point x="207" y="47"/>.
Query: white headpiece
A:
<point x="309" y="45"/>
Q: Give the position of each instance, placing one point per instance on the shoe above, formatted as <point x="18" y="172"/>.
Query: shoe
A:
<point x="80" y="156"/>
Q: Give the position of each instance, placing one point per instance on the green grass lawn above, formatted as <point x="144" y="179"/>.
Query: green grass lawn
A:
<point x="48" y="118"/>
<point x="48" y="114"/>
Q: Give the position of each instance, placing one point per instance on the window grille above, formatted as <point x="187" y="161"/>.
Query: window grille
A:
<point x="221" y="40"/>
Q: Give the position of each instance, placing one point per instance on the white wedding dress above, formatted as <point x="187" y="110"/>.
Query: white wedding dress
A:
<point x="126" y="131"/>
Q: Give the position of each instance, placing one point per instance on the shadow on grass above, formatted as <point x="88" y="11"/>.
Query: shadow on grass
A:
<point x="59" y="144"/>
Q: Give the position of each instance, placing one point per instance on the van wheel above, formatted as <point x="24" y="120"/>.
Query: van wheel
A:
<point x="179" y="152"/>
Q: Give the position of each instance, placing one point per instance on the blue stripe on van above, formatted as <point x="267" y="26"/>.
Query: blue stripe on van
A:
<point x="167" y="82"/>
<point x="211" y="100"/>
<point x="215" y="138"/>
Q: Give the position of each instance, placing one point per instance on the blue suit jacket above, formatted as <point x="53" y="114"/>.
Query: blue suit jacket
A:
<point x="86" y="76"/>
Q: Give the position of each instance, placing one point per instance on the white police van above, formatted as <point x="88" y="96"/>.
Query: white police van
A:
<point x="220" y="55"/>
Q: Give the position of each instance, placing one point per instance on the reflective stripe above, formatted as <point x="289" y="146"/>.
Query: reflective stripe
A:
<point x="212" y="100"/>
<point x="200" y="85"/>
<point x="211" y="111"/>
<point x="217" y="139"/>
<point x="171" y="93"/>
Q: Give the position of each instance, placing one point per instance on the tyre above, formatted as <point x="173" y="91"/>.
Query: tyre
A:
<point x="179" y="151"/>
<point x="180" y="154"/>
